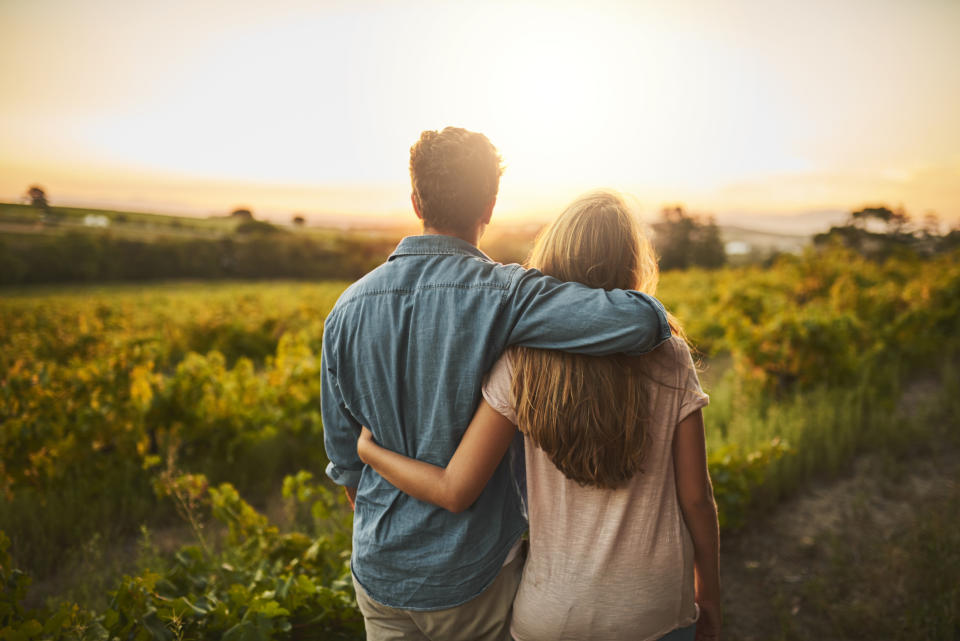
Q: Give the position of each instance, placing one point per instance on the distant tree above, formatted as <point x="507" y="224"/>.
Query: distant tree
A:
<point x="38" y="197"/>
<point x="709" y="250"/>
<point x="683" y="240"/>
<point x="241" y="214"/>
<point x="673" y="238"/>
<point x="877" y="232"/>
<point x="299" y="220"/>
<point x="931" y="224"/>
<point x="894" y="221"/>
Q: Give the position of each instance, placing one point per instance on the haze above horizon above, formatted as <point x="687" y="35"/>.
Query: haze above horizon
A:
<point x="293" y="106"/>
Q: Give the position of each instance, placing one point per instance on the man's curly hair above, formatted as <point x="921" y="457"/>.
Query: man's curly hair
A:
<point x="455" y="175"/>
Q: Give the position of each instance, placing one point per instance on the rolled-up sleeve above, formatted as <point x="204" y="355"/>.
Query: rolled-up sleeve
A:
<point x="550" y="314"/>
<point x="340" y="428"/>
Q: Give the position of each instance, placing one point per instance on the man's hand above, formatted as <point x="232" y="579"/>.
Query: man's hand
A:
<point x="351" y="493"/>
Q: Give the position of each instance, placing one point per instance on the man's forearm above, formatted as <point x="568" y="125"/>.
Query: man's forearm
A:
<point x="568" y="316"/>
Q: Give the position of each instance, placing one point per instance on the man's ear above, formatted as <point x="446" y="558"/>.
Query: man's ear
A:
<point x="488" y="213"/>
<point x="416" y="209"/>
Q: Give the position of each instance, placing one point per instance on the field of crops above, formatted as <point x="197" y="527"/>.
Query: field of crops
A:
<point x="126" y="408"/>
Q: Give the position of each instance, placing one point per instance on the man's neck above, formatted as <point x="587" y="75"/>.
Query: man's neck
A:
<point x="473" y="237"/>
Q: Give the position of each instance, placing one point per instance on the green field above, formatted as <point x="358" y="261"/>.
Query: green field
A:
<point x="125" y="409"/>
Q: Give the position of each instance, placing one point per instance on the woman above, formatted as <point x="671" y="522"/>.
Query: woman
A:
<point x="623" y="525"/>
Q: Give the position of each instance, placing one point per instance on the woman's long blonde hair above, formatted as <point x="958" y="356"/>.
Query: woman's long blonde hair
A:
<point x="589" y="414"/>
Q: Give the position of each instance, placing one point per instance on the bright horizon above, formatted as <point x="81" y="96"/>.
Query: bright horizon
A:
<point x="732" y="109"/>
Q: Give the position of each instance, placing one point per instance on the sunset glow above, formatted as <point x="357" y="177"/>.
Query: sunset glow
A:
<point x="749" y="107"/>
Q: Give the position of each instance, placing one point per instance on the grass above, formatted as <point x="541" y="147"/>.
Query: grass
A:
<point x="816" y="433"/>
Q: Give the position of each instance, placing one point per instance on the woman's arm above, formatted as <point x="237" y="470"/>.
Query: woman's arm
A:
<point x="456" y="486"/>
<point x="695" y="494"/>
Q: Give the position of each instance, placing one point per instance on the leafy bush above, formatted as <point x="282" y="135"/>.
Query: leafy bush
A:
<point x="737" y="475"/>
<point x="261" y="585"/>
<point x="96" y="392"/>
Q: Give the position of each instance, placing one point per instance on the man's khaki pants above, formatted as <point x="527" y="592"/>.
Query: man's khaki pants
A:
<point x="483" y="618"/>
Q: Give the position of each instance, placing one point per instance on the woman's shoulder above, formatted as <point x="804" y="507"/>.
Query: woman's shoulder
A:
<point x="502" y="369"/>
<point x="670" y="365"/>
<point x="673" y="353"/>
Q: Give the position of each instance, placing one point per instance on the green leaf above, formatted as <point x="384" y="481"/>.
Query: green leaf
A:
<point x="110" y="618"/>
<point x="152" y="623"/>
<point x="194" y="607"/>
<point x="246" y="631"/>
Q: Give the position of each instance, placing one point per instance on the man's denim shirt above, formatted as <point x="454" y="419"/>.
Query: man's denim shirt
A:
<point x="405" y="351"/>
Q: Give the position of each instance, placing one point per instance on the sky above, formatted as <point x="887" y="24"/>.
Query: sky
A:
<point x="736" y="108"/>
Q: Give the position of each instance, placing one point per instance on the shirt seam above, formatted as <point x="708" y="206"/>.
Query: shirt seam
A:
<point x="436" y="249"/>
<point x="511" y="285"/>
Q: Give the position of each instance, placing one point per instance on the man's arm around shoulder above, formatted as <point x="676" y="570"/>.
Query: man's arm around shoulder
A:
<point x="552" y="314"/>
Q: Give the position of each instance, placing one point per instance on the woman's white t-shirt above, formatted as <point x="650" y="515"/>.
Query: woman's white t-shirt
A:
<point x="609" y="564"/>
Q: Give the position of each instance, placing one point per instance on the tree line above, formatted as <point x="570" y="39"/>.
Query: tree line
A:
<point x="259" y="249"/>
<point x="879" y="232"/>
<point x="85" y="257"/>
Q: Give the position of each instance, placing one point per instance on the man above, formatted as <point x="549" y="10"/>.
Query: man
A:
<point x="405" y="350"/>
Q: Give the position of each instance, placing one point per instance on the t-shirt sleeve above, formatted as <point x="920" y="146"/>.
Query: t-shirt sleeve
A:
<point x="692" y="396"/>
<point x="496" y="388"/>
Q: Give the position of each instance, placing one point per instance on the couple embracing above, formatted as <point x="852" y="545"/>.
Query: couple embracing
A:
<point x="465" y="402"/>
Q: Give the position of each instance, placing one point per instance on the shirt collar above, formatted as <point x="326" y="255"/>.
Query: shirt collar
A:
<point x="436" y="244"/>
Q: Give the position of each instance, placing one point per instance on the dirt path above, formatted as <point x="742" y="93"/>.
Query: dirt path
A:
<point x="775" y="572"/>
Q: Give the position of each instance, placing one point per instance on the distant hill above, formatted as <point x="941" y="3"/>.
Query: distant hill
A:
<point x="761" y="242"/>
<point x="806" y="223"/>
<point x="32" y="219"/>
